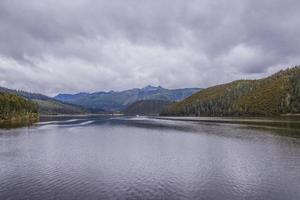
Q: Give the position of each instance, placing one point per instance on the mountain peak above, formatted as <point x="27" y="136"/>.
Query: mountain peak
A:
<point x="151" y="88"/>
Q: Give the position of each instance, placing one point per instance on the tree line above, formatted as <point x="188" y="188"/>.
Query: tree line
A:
<point x="12" y="106"/>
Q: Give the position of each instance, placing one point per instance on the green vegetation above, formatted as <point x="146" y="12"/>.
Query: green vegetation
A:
<point x="15" y="108"/>
<point x="47" y="105"/>
<point x="272" y="96"/>
<point x="146" y="107"/>
<point x="54" y="107"/>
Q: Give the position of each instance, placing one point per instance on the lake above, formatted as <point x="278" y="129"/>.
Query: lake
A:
<point x="148" y="158"/>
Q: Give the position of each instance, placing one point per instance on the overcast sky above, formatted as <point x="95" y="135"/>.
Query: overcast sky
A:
<point x="53" y="46"/>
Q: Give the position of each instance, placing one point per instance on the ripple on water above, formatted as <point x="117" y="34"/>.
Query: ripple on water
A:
<point x="147" y="159"/>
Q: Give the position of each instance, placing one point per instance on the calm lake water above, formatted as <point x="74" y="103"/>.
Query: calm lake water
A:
<point x="147" y="158"/>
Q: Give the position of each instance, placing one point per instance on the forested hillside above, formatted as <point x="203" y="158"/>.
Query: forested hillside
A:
<point x="13" y="107"/>
<point x="54" y="107"/>
<point x="146" y="107"/>
<point x="47" y="105"/>
<point x="271" y="96"/>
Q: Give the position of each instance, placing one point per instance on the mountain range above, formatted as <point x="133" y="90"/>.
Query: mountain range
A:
<point x="116" y="101"/>
<point x="278" y="94"/>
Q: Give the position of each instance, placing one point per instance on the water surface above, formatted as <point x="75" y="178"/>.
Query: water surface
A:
<point x="147" y="158"/>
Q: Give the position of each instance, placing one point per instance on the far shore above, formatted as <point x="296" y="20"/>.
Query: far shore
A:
<point x="291" y="115"/>
<point x="81" y="115"/>
<point x="281" y="121"/>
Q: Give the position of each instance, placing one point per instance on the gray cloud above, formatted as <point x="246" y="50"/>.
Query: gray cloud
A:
<point x="55" y="46"/>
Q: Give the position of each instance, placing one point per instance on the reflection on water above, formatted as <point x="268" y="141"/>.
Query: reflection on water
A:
<point x="15" y="124"/>
<point x="146" y="158"/>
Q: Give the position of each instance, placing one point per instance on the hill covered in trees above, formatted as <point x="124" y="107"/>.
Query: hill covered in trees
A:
<point x="15" y="108"/>
<point x="146" y="107"/>
<point x="272" y="96"/>
<point x="46" y="105"/>
<point x="116" y="101"/>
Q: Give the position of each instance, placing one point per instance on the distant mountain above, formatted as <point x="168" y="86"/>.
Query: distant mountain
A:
<point x="46" y="105"/>
<point x="146" y="107"/>
<point x="271" y="96"/>
<point x="115" y="101"/>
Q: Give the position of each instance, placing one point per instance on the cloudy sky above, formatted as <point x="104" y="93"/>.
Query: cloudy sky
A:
<point x="54" y="46"/>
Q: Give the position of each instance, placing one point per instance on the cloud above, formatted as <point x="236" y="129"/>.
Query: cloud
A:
<point x="56" y="46"/>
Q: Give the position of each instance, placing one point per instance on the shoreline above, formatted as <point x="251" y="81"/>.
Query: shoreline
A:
<point x="283" y="123"/>
<point x="21" y="118"/>
<point x="19" y="121"/>
<point x="280" y="119"/>
<point x="78" y="115"/>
